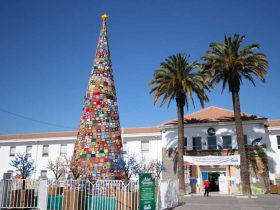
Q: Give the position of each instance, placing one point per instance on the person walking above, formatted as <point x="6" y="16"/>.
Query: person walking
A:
<point x="206" y="184"/>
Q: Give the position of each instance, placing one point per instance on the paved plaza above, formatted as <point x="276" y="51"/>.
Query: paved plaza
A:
<point x="214" y="202"/>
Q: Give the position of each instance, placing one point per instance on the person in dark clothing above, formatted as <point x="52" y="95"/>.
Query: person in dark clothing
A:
<point x="206" y="184"/>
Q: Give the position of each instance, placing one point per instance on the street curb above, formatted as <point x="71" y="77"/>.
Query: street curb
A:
<point x="221" y="195"/>
<point x="211" y="195"/>
<point x="246" y="196"/>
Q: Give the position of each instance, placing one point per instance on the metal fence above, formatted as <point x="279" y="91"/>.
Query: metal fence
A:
<point x="80" y="195"/>
<point x="69" y="195"/>
<point x="83" y="195"/>
<point x="21" y="194"/>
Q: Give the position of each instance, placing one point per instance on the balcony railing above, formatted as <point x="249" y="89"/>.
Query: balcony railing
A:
<point x="210" y="147"/>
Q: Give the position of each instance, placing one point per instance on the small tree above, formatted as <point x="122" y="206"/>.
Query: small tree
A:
<point x="24" y="166"/>
<point x="154" y="166"/>
<point x="129" y="166"/>
<point x="158" y="167"/>
<point x="58" y="167"/>
<point x="73" y="166"/>
<point x="78" y="167"/>
<point x="147" y="167"/>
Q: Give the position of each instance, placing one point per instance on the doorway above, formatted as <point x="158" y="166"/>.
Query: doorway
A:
<point x="217" y="180"/>
<point x="213" y="178"/>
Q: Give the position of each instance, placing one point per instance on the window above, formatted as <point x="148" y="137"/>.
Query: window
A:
<point x="185" y="143"/>
<point x="245" y="141"/>
<point x="12" y="151"/>
<point x="278" y="142"/>
<point x="124" y="147"/>
<point x="63" y="149"/>
<point x="45" y="150"/>
<point x="197" y="143"/>
<point x="144" y="146"/>
<point x="8" y="175"/>
<point x="212" y="143"/>
<point x="44" y="174"/>
<point x="227" y="142"/>
<point x="28" y="150"/>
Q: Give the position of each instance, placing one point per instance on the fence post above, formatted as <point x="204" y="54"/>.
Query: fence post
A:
<point x="42" y="195"/>
<point x="2" y="193"/>
<point x="4" y="190"/>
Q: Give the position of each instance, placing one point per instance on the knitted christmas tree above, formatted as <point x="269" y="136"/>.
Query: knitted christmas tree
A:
<point x="99" y="141"/>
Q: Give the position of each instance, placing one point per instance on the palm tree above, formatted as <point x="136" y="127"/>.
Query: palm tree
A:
<point x="229" y="64"/>
<point x="176" y="79"/>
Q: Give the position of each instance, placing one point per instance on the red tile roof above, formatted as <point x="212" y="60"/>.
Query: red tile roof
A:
<point x="212" y="114"/>
<point x="273" y="123"/>
<point x="39" y="135"/>
<point x="141" y="130"/>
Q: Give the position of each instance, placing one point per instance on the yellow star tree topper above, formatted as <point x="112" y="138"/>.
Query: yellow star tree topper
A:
<point x="104" y="16"/>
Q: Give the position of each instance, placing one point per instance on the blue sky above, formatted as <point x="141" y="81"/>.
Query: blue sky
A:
<point x="47" y="48"/>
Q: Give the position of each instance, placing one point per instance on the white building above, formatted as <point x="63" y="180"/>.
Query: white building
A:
<point x="210" y="131"/>
<point x="145" y="143"/>
<point x="273" y="130"/>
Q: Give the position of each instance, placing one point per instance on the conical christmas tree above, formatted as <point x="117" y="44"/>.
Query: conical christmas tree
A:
<point x="99" y="141"/>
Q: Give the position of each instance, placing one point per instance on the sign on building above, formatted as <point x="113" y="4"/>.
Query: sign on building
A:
<point x="213" y="160"/>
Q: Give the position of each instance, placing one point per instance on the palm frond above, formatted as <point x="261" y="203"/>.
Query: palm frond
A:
<point x="228" y="63"/>
<point x="177" y="78"/>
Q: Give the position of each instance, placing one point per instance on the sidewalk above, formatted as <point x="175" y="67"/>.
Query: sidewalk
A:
<point x="210" y="194"/>
<point x="218" y="202"/>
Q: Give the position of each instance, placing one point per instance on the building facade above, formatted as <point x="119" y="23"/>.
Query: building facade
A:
<point x="144" y="143"/>
<point x="273" y="131"/>
<point x="211" y="149"/>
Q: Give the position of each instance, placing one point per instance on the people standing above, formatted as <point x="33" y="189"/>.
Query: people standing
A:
<point x="206" y="184"/>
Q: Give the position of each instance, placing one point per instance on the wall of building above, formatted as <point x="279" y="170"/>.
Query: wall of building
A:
<point x="41" y="161"/>
<point x="133" y="147"/>
<point x="232" y="175"/>
<point x="274" y="154"/>
<point x="253" y="130"/>
<point x="159" y="143"/>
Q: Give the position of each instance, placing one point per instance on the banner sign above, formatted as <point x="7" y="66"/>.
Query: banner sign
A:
<point x="147" y="192"/>
<point x="212" y="160"/>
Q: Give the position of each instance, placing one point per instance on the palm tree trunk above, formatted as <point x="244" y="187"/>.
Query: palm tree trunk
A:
<point x="244" y="166"/>
<point x="180" y="163"/>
